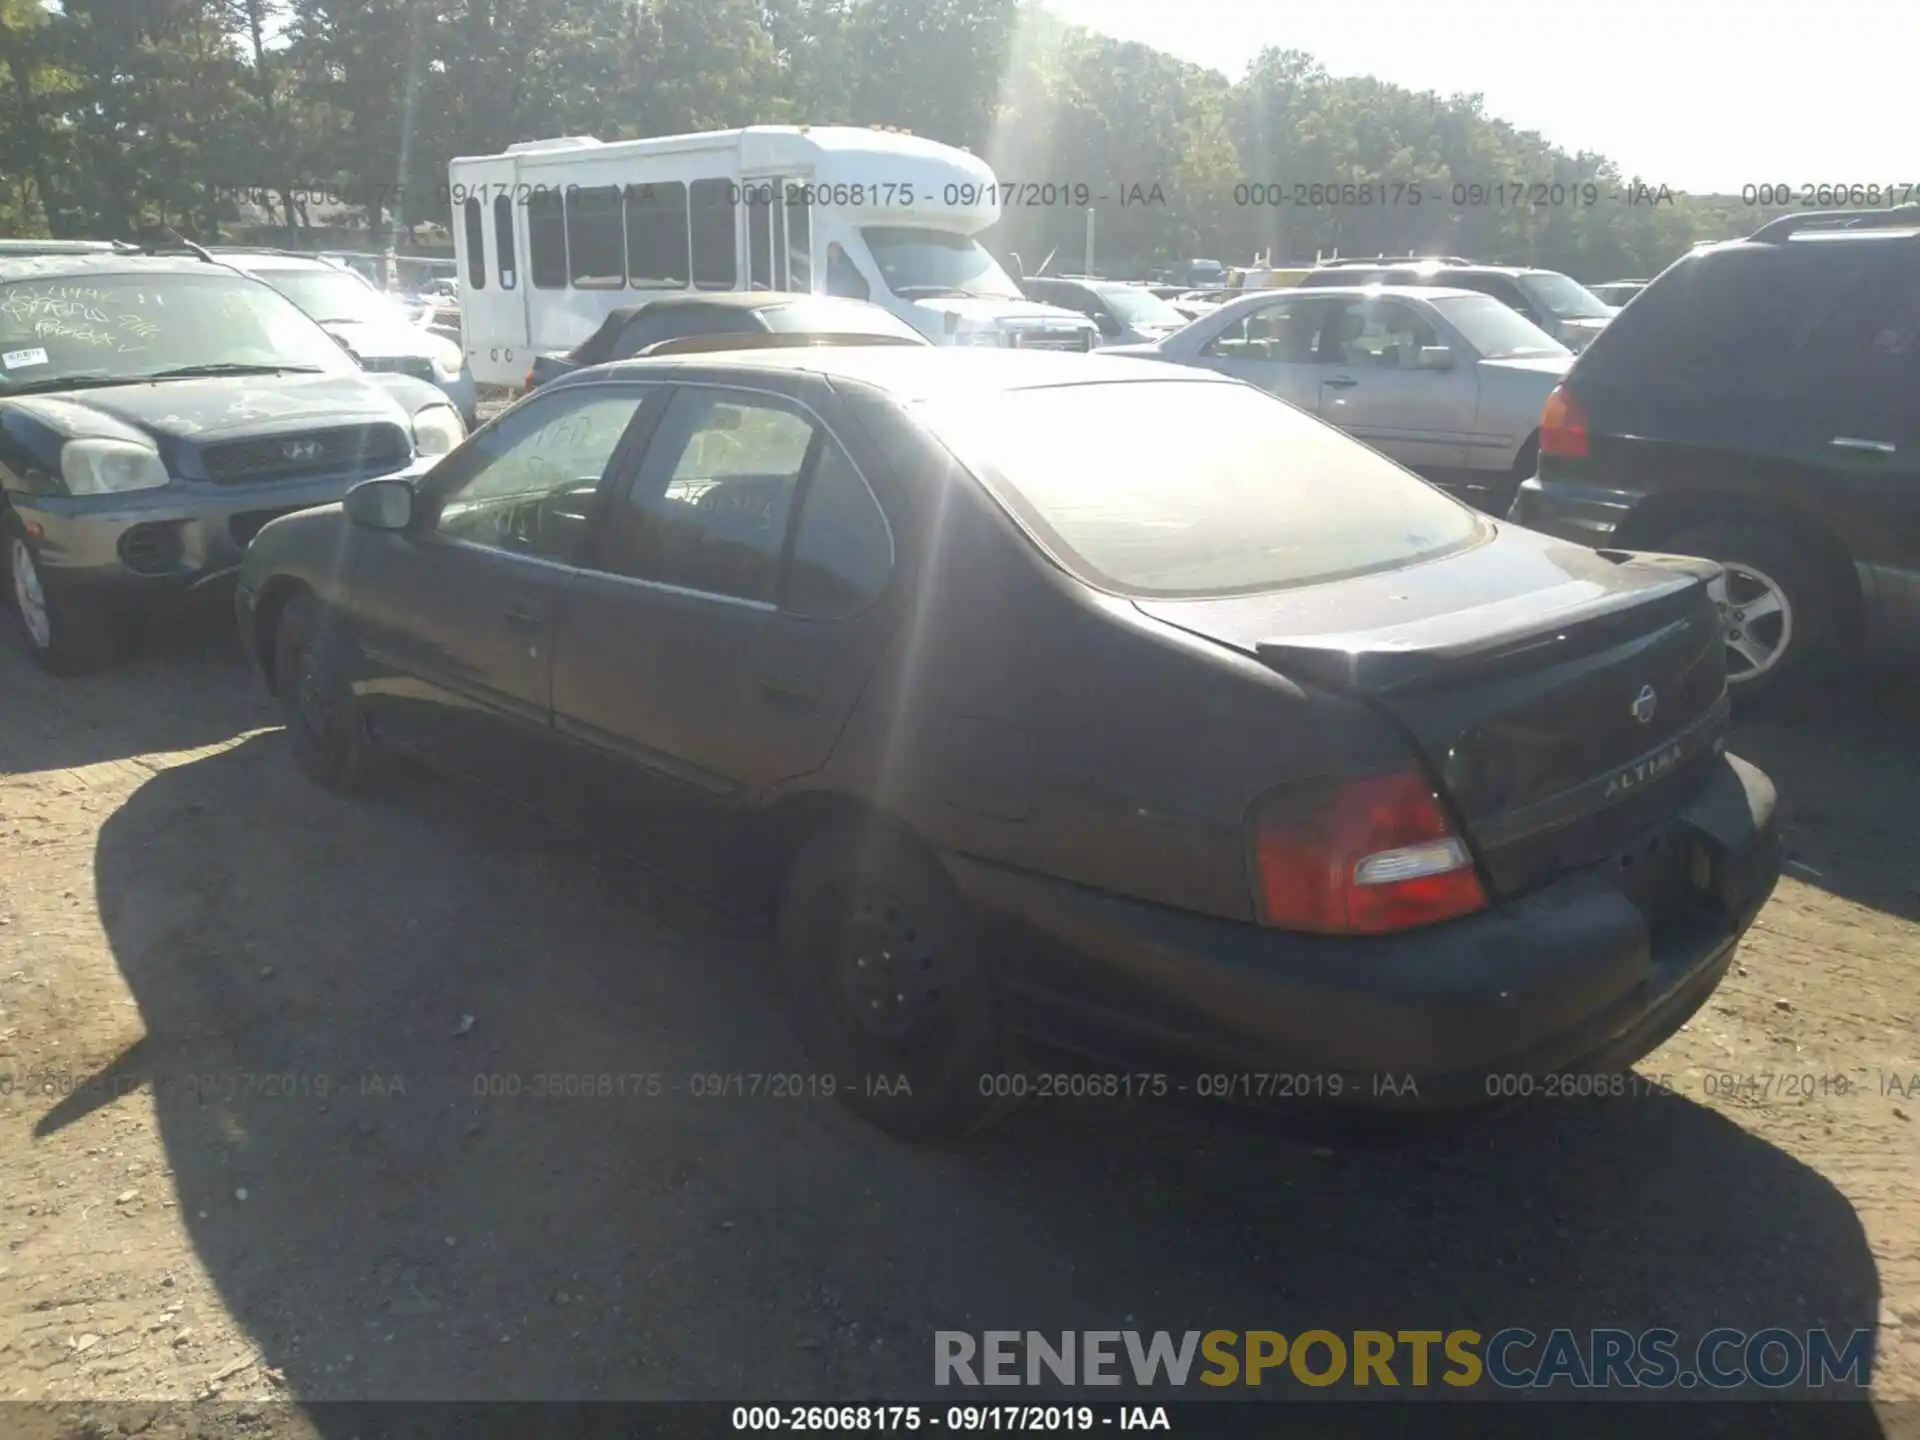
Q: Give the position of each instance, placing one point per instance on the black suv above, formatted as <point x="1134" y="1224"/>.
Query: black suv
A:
<point x="1559" y="305"/>
<point x="1759" y="404"/>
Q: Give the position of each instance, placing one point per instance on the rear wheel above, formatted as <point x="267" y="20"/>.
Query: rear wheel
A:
<point x="1780" y="609"/>
<point x="65" y="634"/>
<point x="883" y="975"/>
<point x="331" y="741"/>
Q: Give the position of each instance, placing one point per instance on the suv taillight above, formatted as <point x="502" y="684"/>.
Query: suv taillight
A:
<point x="1359" y="857"/>
<point x="1563" y="426"/>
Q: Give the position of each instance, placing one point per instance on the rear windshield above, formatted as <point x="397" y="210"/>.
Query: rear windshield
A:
<point x="1177" y="488"/>
<point x="1567" y="299"/>
<point x="1770" y="319"/>
<point x="830" y="317"/>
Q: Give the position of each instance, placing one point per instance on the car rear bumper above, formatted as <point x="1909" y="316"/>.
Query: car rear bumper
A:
<point x="1572" y="978"/>
<point x="1586" y="514"/>
<point x="156" y="541"/>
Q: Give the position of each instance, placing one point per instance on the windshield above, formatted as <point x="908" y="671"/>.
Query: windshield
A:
<point x="836" y="317"/>
<point x="1142" y="308"/>
<point x="1495" y="330"/>
<point x="1172" y="487"/>
<point x="936" y="262"/>
<point x="1567" y="299"/>
<point x="123" y="326"/>
<point x="332" y="296"/>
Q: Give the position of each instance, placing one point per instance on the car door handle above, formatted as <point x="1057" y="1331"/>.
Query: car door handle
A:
<point x="524" y="615"/>
<point x="1871" y="447"/>
<point x="783" y="696"/>
<point x="1340" y="382"/>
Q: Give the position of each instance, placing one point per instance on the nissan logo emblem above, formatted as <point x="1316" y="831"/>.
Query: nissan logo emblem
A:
<point x="1644" y="703"/>
<point x="301" y="450"/>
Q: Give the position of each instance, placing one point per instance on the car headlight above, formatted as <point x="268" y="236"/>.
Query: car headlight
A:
<point x="448" y="362"/>
<point x="436" y="430"/>
<point x="111" y="467"/>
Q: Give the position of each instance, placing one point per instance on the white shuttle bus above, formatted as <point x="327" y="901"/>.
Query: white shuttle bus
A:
<point x="553" y="234"/>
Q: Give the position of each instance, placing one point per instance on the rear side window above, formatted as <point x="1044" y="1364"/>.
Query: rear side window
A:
<point x="1773" y="319"/>
<point x="843" y="552"/>
<point x="1176" y="488"/>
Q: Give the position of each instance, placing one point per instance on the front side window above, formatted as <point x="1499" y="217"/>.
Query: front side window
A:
<point x="708" y="510"/>
<point x="1194" y="487"/>
<point x="1378" y="334"/>
<point x="843" y="276"/>
<point x="1283" y="331"/>
<point x="524" y="484"/>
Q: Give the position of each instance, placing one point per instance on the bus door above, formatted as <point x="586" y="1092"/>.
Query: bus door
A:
<point x="779" y="232"/>
<point x="489" y="236"/>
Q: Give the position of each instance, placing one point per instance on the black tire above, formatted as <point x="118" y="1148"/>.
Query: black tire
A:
<point x="1811" y="636"/>
<point x="331" y="741"/>
<point x="72" y="633"/>
<point x="863" y="895"/>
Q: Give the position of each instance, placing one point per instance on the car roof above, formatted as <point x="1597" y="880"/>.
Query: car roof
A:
<point x="276" y="260"/>
<point x="1396" y="292"/>
<point x="909" y="373"/>
<point x="53" y="267"/>
<point x="731" y="300"/>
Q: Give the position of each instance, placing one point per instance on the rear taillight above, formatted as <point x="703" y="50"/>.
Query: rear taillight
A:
<point x="529" y="379"/>
<point x="1360" y="857"/>
<point x="1563" y="426"/>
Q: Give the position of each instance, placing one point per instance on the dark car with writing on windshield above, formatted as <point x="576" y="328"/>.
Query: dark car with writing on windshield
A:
<point x="1101" y="702"/>
<point x="155" y="412"/>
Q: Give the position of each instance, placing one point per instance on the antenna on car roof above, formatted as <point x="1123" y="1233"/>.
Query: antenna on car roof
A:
<point x="1787" y="225"/>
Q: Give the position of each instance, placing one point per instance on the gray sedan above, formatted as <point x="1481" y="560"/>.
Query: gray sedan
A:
<point x="1448" y="382"/>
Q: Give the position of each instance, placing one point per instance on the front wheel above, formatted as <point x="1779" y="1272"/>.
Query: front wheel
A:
<point x="331" y="740"/>
<point x="885" y="982"/>
<point x="1778" y="608"/>
<point x="65" y="634"/>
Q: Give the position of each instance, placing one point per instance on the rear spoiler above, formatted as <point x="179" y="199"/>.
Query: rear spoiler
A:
<point x="762" y="340"/>
<point x="1377" y="662"/>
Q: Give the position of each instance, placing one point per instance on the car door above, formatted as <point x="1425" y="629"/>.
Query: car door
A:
<point x="454" y="618"/>
<point x="1272" y="346"/>
<point x="727" y="620"/>
<point x="1373" y="383"/>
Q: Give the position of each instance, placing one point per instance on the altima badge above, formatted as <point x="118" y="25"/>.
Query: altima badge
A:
<point x="1643" y="704"/>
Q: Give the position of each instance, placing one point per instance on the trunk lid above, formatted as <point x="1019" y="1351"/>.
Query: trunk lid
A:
<point x="1564" y="698"/>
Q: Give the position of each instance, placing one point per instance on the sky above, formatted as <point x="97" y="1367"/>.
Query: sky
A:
<point x="1701" y="95"/>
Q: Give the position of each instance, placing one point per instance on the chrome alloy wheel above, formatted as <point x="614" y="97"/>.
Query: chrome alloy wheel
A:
<point x="1756" y="619"/>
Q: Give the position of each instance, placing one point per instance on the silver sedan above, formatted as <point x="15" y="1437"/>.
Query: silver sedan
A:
<point x="1448" y="382"/>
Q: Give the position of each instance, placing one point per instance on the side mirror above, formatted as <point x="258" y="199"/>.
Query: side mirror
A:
<point x="1434" y="357"/>
<point x="381" y="504"/>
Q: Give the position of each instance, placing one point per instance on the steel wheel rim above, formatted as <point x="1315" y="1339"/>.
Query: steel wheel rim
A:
<point x="28" y="598"/>
<point x="886" y="974"/>
<point x="1756" y="618"/>
<point x="311" y="696"/>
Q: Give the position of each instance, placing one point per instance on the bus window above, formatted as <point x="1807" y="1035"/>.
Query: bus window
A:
<point x="503" y="239"/>
<point x="715" y="265"/>
<point x="476" y="245"/>
<point x="759" y="235"/>
<point x="596" y="243"/>
<point x="799" y="240"/>
<point x="547" y="240"/>
<point x="657" y="257"/>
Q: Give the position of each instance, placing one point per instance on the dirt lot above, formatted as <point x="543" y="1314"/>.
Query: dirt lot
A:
<point x="266" y="1164"/>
